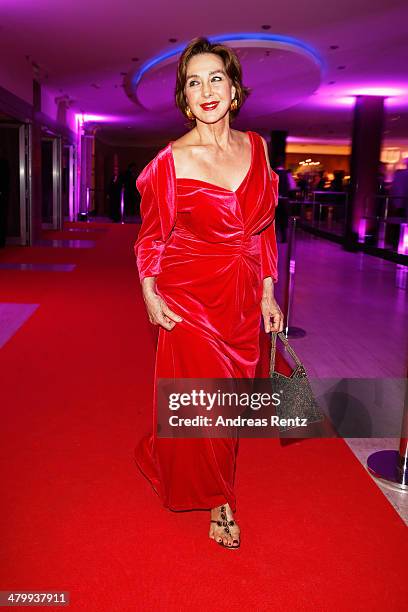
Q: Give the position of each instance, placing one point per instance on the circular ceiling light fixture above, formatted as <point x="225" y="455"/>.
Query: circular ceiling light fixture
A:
<point x="281" y="71"/>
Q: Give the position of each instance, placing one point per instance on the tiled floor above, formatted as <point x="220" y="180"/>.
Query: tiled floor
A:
<point x="363" y="448"/>
<point x="351" y="308"/>
<point x="38" y="266"/>
<point x="72" y="244"/>
<point x="86" y="228"/>
<point x="354" y="310"/>
<point x="12" y="317"/>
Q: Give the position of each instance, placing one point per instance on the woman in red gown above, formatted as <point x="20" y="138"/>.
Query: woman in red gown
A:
<point x="207" y="260"/>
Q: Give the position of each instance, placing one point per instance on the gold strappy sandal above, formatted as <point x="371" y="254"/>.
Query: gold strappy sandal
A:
<point x="226" y="524"/>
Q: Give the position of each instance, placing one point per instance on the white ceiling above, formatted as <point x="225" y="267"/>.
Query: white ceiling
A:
<point x="83" y="47"/>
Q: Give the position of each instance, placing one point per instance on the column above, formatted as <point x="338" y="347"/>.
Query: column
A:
<point x="365" y="156"/>
<point x="87" y="169"/>
<point x="277" y="154"/>
<point x="36" y="183"/>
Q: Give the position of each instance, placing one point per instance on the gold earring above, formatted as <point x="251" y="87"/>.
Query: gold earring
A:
<point x="234" y="105"/>
<point x="189" y="113"/>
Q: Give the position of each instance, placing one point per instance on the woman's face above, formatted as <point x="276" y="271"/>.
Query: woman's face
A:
<point x="208" y="89"/>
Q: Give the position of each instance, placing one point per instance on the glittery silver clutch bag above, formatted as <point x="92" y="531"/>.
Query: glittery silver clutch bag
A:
<point x="297" y="399"/>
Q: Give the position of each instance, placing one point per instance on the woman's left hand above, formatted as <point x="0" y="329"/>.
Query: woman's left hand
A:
<point x="270" y="308"/>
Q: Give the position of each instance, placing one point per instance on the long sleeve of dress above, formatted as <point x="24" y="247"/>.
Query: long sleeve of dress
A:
<point x="269" y="253"/>
<point x="269" y="248"/>
<point x="149" y="244"/>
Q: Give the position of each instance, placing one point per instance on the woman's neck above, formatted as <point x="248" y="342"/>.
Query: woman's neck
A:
<point x="218" y="134"/>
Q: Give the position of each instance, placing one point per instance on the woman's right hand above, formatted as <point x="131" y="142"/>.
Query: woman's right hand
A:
<point x="158" y="311"/>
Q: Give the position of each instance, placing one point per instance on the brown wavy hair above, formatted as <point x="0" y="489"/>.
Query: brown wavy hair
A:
<point x="232" y="65"/>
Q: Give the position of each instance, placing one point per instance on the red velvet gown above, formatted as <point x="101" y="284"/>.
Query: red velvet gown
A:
<point x="209" y="270"/>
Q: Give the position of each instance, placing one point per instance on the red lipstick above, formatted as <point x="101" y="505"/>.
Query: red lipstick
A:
<point x="209" y="106"/>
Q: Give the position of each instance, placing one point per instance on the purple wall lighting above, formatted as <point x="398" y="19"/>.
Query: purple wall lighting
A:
<point x="81" y="119"/>
<point x="403" y="239"/>
<point x="362" y="228"/>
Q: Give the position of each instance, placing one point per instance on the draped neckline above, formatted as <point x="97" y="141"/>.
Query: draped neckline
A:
<point x="233" y="191"/>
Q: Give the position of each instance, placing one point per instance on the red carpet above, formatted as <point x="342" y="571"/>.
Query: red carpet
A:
<point x="77" y="515"/>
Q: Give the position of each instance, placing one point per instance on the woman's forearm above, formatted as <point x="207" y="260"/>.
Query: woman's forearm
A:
<point x="268" y="286"/>
<point x="149" y="285"/>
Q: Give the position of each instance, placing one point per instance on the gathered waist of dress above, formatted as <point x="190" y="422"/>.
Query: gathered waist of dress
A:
<point x="235" y="243"/>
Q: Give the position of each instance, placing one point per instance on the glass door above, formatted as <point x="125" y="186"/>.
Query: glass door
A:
<point x="51" y="183"/>
<point x="15" y="182"/>
<point x="67" y="182"/>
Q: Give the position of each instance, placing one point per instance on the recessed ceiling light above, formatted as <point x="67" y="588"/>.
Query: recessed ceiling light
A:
<point x="266" y="27"/>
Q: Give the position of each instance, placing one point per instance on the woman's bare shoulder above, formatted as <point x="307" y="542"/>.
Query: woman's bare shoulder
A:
<point x="240" y="137"/>
<point x="182" y="150"/>
<point x="186" y="140"/>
